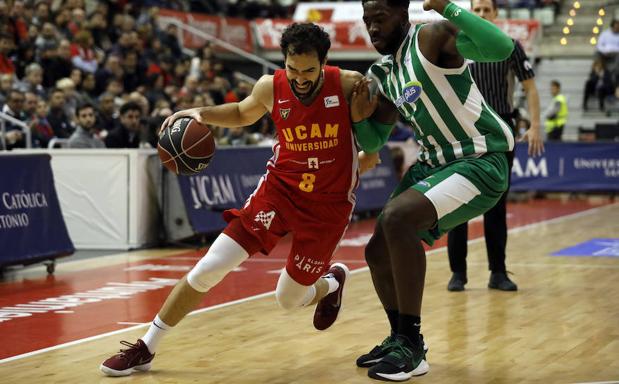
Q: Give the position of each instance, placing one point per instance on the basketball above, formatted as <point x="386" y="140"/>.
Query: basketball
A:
<point x="186" y="147"/>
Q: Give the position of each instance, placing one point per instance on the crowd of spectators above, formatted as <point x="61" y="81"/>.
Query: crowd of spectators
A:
<point x="62" y="58"/>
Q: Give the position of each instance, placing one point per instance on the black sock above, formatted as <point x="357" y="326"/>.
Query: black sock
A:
<point x="393" y="315"/>
<point x="409" y="326"/>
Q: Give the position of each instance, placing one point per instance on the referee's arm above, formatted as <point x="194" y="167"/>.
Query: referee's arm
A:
<point x="526" y="75"/>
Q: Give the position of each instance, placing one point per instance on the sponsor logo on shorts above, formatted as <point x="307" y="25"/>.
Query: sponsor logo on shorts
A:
<point x="265" y="218"/>
<point x="309" y="265"/>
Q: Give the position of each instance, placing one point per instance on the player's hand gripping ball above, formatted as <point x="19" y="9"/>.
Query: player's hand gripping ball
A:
<point x="186" y="147"/>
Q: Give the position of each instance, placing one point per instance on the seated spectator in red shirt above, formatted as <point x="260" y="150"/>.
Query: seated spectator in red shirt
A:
<point x="82" y="53"/>
<point x="6" y="45"/>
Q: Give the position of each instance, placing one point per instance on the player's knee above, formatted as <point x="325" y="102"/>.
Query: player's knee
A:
<point x="202" y="280"/>
<point x="395" y="219"/>
<point x="373" y="252"/>
<point x="289" y="293"/>
<point x="205" y="275"/>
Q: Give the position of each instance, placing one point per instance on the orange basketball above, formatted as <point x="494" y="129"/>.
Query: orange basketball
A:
<point x="186" y="147"/>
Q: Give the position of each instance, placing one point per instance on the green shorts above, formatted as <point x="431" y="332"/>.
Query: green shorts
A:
<point x="460" y="190"/>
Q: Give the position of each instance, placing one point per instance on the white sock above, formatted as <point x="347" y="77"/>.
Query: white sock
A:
<point x="309" y="295"/>
<point x="154" y="334"/>
<point x="333" y="283"/>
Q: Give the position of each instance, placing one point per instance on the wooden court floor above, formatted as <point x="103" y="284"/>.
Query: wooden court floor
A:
<point x="562" y="326"/>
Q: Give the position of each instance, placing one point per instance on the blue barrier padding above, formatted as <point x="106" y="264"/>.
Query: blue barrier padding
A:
<point x="567" y="167"/>
<point x="31" y="224"/>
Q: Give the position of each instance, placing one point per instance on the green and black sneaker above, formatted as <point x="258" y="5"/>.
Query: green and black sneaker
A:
<point x="403" y="362"/>
<point x="378" y="352"/>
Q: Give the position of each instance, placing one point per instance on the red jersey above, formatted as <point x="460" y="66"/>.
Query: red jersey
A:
<point x="316" y="153"/>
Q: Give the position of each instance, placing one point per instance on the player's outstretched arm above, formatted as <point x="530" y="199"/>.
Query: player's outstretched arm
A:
<point x="373" y="116"/>
<point x="478" y="39"/>
<point x="241" y="114"/>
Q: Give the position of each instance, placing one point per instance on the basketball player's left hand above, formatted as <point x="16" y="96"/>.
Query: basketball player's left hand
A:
<point x="368" y="161"/>
<point x="533" y="137"/>
<point x="361" y="105"/>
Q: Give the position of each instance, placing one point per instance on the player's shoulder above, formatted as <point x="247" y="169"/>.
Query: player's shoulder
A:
<point x="348" y="80"/>
<point x="350" y="76"/>
<point x="265" y="80"/>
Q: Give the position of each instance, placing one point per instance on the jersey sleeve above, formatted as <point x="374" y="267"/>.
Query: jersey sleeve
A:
<point x="520" y="63"/>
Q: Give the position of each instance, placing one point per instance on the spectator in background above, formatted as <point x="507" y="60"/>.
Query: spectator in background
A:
<point x="6" y="84"/>
<point x="237" y="136"/>
<point x="14" y="107"/>
<point x="56" y="63"/>
<point x="85" y="135"/>
<point x="599" y="84"/>
<point x="6" y="45"/>
<point x="47" y="38"/>
<point x="557" y="112"/>
<point x="30" y="104"/>
<point x="42" y="13"/>
<point x="133" y="72"/>
<point x="86" y="91"/>
<point x="154" y="88"/>
<point x="70" y="96"/>
<point x="608" y="43"/>
<point x="170" y="39"/>
<point x="56" y="116"/>
<point x="33" y="80"/>
<point x="112" y="69"/>
<point x="97" y="25"/>
<point x="127" y="133"/>
<point x="107" y="119"/>
<point x="83" y="55"/>
<point x="40" y="127"/>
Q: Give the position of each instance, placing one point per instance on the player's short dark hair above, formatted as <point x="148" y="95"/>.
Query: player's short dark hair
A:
<point x="130" y="106"/>
<point x="392" y="3"/>
<point x="555" y="83"/>
<point x="301" y="38"/>
<point x="84" y="106"/>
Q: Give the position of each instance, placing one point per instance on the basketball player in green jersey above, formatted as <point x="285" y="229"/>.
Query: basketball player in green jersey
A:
<point x="461" y="170"/>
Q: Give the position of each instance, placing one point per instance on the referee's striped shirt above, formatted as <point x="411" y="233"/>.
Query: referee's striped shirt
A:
<point x="496" y="80"/>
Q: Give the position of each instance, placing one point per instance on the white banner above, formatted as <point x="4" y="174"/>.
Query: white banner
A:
<point x="353" y="11"/>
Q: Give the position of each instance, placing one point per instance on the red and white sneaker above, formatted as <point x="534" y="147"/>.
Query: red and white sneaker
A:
<point x="136" y="358"/>
<point x="329" y="307"/>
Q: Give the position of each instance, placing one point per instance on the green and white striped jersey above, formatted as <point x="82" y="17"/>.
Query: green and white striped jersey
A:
<point x="450" y="116"/>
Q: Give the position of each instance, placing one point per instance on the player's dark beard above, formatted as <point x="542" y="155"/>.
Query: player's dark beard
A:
<point x="395" y="39"/>
<point x="311" y="91"/>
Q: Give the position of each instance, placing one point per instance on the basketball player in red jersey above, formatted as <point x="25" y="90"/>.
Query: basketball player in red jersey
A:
<point x="308" y="190"/>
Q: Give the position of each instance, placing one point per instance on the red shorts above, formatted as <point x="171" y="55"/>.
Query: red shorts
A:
<point x="271" y="212"/>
